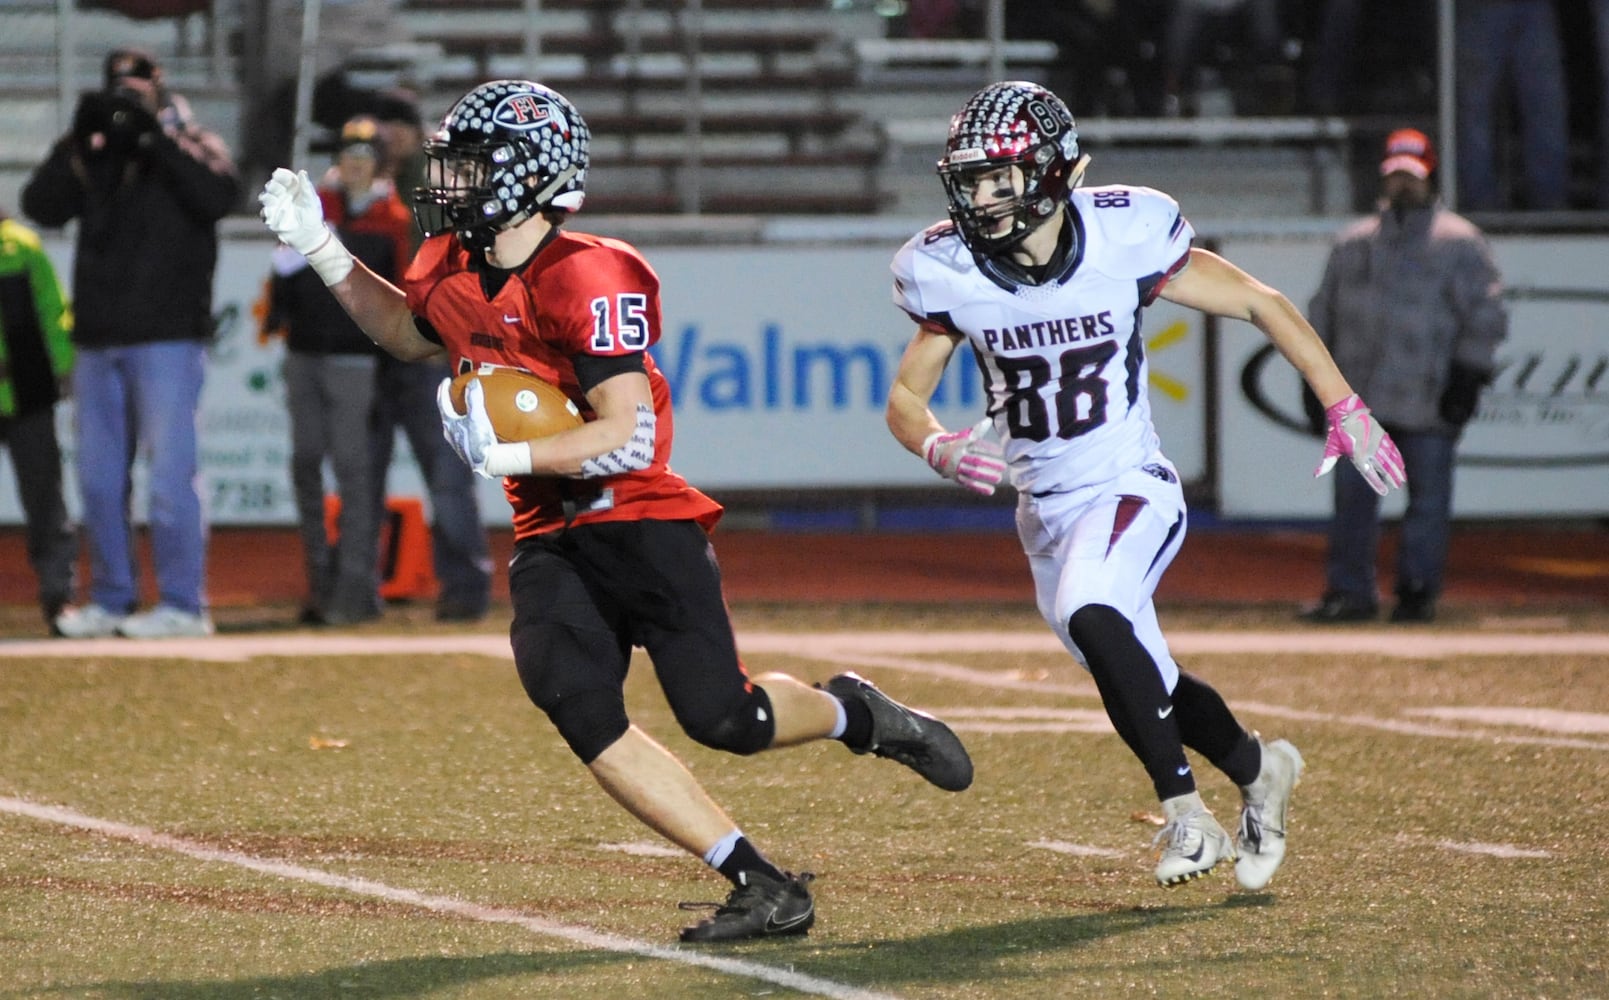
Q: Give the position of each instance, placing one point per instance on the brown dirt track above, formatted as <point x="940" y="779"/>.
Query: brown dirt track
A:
<point x="1530" y="567"/>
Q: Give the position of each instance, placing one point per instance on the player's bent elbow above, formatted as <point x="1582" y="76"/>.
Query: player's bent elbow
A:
<point x="634" y="455"/>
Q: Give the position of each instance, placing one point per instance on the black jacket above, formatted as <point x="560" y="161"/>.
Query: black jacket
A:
<point x="147" y="237"/>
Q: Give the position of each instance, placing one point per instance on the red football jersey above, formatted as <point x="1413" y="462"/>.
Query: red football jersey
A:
<point x="581" y="294"/>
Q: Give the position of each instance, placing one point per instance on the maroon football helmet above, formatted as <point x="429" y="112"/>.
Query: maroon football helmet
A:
<point x="1014" y="123"/>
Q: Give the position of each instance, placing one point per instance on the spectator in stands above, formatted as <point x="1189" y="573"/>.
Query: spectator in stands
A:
<point x="1194" y="26"/>
<point x="1107" y="51"/>
<point x="406" y="398"/>
<point x="1511" y="60"/>
<point x="402" y="132"/>
<point x="1401" y="47"/>
<point x="147" y="187"/>
<point x="331" y="372"/>
<point x="1600" y="31"/>
<point x="944" y="18"/>
<point x="1410" y="306"/>
<point x="36" y="359"/>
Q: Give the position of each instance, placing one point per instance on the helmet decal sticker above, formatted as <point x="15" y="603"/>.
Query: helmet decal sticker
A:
<point x="525" y="113"/>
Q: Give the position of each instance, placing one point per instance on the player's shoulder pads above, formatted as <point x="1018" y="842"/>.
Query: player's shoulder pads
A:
<point x="931" y="269"/>
<point x="1131" y="231"/>
<point x="602" y="262"/>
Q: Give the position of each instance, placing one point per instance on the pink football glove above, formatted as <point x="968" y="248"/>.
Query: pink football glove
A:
<point x="1355" y="433"/>
<point x="971" y="457"/>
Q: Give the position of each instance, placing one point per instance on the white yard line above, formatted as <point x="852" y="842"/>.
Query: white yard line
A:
<point x="1507" y="852"/>
<point x="1076" y="850"/>
<point x="585" y="937"/>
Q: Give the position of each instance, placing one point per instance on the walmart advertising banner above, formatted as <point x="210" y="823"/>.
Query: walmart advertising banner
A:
<point x="780" y="358"/>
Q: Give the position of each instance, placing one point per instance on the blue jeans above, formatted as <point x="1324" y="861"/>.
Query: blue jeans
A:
<point x="407" y="399"/>
<point x="1600" y="23"/>
<point x="128" y="400"/>
<point x="1504" y="47"/>
<point x="1426" y="524"/>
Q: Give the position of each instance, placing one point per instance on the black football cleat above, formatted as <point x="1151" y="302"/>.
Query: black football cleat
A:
<point x="915" y="739"/>
<point x="761" y="907"/>
<point x="1336" y="608"/>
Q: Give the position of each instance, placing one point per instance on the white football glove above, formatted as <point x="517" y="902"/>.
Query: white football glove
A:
<point x="973" y="458"/>
<point x="1355" y="433"/>
<point x="471" y="434"/>
<point x="292" y="210"/>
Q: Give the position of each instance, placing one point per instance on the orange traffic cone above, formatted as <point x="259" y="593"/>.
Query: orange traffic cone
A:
<point x="407" y="569"/>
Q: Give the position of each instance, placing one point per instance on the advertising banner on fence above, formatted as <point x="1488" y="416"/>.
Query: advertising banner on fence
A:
<point x="780" y="358"/>
<point x="1539" y="443"/>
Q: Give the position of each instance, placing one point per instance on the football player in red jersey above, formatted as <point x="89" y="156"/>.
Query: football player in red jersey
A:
<point x="612" y="548"/>
<point x="1046" y="282"/>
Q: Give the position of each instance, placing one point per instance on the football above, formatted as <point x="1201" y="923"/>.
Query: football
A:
<point x="521" y="405"/>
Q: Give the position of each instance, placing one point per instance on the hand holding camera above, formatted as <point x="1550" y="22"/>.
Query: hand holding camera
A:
<point x="114" y="123"/>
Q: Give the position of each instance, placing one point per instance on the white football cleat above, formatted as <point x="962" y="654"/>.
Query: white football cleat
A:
<point x="1261" y="838"/>
<point x="1191" y="841"/>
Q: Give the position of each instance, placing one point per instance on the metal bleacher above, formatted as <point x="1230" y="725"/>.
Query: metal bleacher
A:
<point x="734" y="109"/>
<point x="723" y="107"/>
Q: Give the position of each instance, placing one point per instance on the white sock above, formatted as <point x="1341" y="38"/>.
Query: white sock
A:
<point x="843" y="720"/>
<point x="717" y="855"/>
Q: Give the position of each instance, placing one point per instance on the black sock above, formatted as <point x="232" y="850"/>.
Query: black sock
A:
<point x="857" y="734"/>
<point x="744" y="858"/>
<point x="1208" y="727"/>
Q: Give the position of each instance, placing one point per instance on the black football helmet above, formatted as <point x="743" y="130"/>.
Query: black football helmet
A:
<point x="506" y="151"/>
<point x="1014" y="123"/>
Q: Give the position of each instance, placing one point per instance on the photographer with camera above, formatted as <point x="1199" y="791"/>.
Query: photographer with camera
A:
<point x="147" y="187"/>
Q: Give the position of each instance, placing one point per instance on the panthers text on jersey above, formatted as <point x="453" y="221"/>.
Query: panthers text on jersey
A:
<point x="1063" y="364"/>
<point x="580" y="294"/>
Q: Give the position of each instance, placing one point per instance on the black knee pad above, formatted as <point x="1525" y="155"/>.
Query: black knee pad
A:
<point x="589" y="721"/>
<point x="1104" y="636"/>
<point x="573" y="676"/>
<point x="746" y="727"/>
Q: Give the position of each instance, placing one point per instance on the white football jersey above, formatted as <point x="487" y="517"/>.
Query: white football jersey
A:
<point x="1063" y="364"/>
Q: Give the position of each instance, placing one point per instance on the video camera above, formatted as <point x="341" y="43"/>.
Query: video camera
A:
<point x="119" y="116"/>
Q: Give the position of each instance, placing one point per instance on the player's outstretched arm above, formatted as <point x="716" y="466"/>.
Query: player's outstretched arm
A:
<point x="291" y="208"/>
<point x="1214" y="285"/>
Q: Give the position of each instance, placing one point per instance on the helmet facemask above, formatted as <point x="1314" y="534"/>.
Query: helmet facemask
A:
<point x="1016" y="192"/>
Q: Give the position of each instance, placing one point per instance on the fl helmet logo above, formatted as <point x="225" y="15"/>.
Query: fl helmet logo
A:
<point x="528" y="112"/>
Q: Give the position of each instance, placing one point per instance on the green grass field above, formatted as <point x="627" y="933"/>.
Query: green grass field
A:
<point x="405" y="825"/>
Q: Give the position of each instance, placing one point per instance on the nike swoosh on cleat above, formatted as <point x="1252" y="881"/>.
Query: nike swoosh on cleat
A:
<point x="1181" y="772"/>
<point x="771" y="925"/>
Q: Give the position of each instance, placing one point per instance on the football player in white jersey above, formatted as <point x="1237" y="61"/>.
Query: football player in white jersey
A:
<point x="1046" y="281"/>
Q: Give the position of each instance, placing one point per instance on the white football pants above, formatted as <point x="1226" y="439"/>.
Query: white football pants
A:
<point x="1106" y="545"/>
